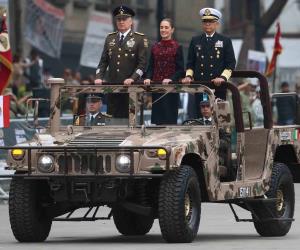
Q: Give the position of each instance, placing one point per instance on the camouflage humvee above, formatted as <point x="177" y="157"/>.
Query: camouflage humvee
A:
<point x="143" y="172"/>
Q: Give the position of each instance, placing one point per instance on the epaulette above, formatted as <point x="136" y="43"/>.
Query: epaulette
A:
<point x="106" y="115"/>
<point x="138" y="33"/>
<point x="112" y="33"/>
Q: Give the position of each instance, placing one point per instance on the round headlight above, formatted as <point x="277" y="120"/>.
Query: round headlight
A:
<point x="17" y="154"/>
<point x="123" y="163"/>
<point x="46" y="164"/>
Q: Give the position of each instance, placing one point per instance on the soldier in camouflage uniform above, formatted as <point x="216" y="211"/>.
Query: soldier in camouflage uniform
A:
<point x="124" y="57"/>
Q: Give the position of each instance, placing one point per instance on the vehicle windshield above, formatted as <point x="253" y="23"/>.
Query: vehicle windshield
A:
<point x="151" y="107"/>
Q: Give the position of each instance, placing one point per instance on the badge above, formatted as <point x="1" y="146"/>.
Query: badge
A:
<point x="130" y="43"/>
<point x="219" y="44"/>
<point x="207" y="12"/>
<point x="145" y="43"/>
<point x="4" y="44"/>
<point x="113" y="42"/>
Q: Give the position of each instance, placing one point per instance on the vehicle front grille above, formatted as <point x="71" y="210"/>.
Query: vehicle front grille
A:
<point x="96" y="140"/>
<point x="85" y="163"/>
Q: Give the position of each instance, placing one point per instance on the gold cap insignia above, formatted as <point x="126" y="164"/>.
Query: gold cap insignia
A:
<point x="207" y="12"/>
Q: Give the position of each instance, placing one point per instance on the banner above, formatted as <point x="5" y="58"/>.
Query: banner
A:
<point x="100" y="24"/>
<point x="44" y="27"/>
<point x="257" y="61"/>
<point x="4" y="111"/>
<point x="5" y="52"/>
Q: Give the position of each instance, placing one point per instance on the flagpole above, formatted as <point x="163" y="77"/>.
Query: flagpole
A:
<point x="274" y="76"/>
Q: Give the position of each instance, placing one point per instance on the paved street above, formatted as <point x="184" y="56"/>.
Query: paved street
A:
<point x="218" y="230"/>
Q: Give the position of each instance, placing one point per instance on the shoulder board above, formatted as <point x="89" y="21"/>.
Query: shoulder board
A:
<point x="105" y="115"/>
<point x="80" y="116"/>
<point x="138" y="33"/>
<point x="112" y="33"/>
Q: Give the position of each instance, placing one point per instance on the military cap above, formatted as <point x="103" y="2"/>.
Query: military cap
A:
<point x="210" y="14"/>
<point x="205" y="100"/>
<point x="94" y="97"/>
<point x="204" y="103"/>
<point x="123" y="11"/>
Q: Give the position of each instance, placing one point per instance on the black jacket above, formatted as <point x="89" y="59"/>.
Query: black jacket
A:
<point x="209" y="60"/>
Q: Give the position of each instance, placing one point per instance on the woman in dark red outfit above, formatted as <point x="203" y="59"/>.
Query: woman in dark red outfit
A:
<point x="166" y="65"/>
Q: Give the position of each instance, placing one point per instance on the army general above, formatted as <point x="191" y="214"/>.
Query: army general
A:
<point x="124" y="58"/>
<point x="210" y="55"/>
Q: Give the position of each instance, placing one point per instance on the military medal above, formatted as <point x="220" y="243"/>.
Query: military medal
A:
<point x="112" y="43"/>
<point x="219" y="44"/>
<point x="130" y="43"/>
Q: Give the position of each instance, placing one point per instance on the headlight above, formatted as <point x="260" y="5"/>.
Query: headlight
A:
<point x="17" y="154"/>
<point x="162" y="154"/>
<point x="46" y="164"/>
<point x="123" y="163"/>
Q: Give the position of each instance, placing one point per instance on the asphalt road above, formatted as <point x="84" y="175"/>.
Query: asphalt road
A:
<point x="218" y="230"/>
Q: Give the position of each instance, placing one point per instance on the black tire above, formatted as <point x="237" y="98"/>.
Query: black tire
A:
<point x="281" y="187"/>
<point x="129" y="223"/>
<point x="180" y="205"/>
<point x="27" y="217"/>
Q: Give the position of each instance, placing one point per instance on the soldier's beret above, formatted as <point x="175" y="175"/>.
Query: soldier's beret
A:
<point x="210" y="14"/>
<point x="94" y="97"/>
<point x="123" y="11"/>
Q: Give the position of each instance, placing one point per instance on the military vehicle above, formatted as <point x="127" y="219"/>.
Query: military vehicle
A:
<point x="144" y="172"/>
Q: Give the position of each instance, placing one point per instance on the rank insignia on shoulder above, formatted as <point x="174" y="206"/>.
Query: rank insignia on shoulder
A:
<point x="138" y="33"/>
<point x="219" y="44"/>
<point x="112" y="33"/>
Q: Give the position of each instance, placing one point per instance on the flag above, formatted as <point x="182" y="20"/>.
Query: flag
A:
<point x="5" y="55"/>
<point x="4" y="111"/>
<point x="276" y="51"/>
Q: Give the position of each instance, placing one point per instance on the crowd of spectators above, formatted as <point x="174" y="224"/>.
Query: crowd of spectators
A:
<point x="30" y="77"/>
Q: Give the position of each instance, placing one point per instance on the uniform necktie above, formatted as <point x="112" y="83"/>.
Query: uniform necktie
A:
<point x="207" y="122"/>
<point x="209" y="39"/>
<point x="92" y="120"/>
<point x="121" y="39"/>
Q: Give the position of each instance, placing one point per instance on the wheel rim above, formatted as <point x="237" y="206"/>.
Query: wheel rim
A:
<point x="189" y="207"/>
<point x="280" y="204"/>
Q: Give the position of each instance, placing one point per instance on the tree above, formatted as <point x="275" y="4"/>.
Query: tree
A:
<point x="258" y="25"/>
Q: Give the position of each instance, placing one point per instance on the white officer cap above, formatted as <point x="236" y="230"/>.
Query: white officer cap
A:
<point x="210" y="14"/>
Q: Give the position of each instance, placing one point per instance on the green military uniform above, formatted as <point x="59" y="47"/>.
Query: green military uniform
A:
<point x="124" y="60"/>
<point x="121" y="61"/>
<point x="87" y="120"/>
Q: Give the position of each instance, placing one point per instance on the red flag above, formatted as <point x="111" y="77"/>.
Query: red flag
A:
<point x="276" y="51"/>
<point x="5" y="56"/>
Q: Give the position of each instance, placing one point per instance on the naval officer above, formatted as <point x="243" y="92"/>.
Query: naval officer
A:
<point x="210" y="55"/>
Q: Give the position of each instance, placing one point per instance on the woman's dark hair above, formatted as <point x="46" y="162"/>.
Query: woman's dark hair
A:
<point x="169" y="20"/>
